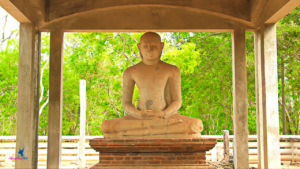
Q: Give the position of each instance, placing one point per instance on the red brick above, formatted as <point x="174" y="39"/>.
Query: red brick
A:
<point x="161" y="140"/>
<point x="116" y="162"/>
<point x="200" y="148"/>
<point x="128" y="162"/>
<point x="196" y="143"/>
<point x="119" y="141"/>
<point x="163" y="149"/>
<point x="178" y="162"/>
<point x="160" y="158"/>
<point x="148" y="158"/>
<point x="119" y="158"/>
<point x="181" y="158"/>
<point x="187" y="154"/>
<point x="141" y="162"/>
<point x="171" y="158"/>
<point x="189" y="162"/>
<point x="154" y="162"/>
<point x="105" y="162"/>
<point x="106" y="158"/>
<point x="156" y="144"/>
<point x="150" y="149"/>
<point x="191" y="157"/>
<point x="118" y="154"/>
<point x="200" y="162"/>
<point x="129" y="144"/>
<point x="125" y="148"/>
<point x="101" y="144"/>
<point x="176" y="140"/>
<point x="133" y="154"/>
<point x="127" y="158"/>
<point x="105" y="154"/>
<point x="200" y="157"/>
<point x="144" y="144"/>
<point x="136" y="158"/>
<point x="166" y="162"/>
<point x="144" y="140"/>
<point x="129" y="140"/>
<point x="169" y="154"/>
<point x="176" y="149"/>
<point x="167" y="144"/>
<point x="196" y="140"/>
<point x="110" y="149"/>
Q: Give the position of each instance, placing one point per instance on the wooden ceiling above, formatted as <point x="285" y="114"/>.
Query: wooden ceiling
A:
<point x="142" y="15"/>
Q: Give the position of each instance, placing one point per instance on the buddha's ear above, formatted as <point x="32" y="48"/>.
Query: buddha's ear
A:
<point x="162" y="45"/>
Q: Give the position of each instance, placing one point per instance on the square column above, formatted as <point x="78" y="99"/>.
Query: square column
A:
<point x="240" y="110"/>
<point x="28" y="97"/>
<point x="267" y="97"/>
<point x="55" y="99"/>
<point x="259" y="86"/>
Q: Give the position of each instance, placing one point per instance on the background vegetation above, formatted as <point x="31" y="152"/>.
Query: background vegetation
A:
<point x="204" y="59"/>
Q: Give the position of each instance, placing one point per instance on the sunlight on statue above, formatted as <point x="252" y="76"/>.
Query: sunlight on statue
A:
<point x="159" y="85"/>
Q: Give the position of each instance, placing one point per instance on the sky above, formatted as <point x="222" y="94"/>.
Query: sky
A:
<point x="12" y="24"/>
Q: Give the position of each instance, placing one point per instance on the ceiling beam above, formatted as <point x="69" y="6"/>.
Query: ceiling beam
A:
<point x="257" y="9"/>
<point x="135" y="19"/>
<point x="14" y="11"/>
<point x="282" y="12"/>
<point x="234" y="9"/>
<point x="26" y="11"/>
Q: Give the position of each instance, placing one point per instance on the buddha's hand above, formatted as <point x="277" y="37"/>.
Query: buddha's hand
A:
<point x="146" y="114"/>
<point x="159" y="114"/>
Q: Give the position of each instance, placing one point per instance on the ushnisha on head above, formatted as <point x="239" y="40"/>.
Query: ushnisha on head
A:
<point x="150" y="47"/>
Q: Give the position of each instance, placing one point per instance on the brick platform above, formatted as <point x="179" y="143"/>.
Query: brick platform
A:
<point x="147" y="153"/>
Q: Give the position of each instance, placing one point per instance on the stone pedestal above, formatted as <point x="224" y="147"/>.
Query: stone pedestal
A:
<point x="149" y="153"/>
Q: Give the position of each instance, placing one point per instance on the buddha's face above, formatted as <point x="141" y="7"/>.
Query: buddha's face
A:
<point x="150" y="47"/>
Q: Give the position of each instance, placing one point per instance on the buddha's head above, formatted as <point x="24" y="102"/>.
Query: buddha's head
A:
<point x="150" y="47"/>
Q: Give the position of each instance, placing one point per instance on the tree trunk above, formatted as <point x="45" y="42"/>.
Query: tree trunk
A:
<point x="283" y="97"/>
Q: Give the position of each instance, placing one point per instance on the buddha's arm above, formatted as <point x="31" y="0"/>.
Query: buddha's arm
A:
<point x="175" y="91"/>
<point x="128" y="87"/>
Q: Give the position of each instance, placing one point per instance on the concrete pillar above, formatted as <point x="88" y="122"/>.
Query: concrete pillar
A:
<point x="260" y="101"/>
<point x="226" y="145"/>
<point x="240" y="111"/>
<point x="268" y="80"/>
<point x="55" y="99"/>
<point x="28" y="93"/>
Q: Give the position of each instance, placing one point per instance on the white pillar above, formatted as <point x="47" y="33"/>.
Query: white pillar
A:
<point x="55" y="99"/>
<point x="267" y="97"/>
<point x="82" y="123"/>
<point x="271" y="97"/>
<point x="28" y="92"/>
<point x="240" y="111"/>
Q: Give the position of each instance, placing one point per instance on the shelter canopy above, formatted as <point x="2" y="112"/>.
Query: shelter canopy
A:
<point x="154" y="15"/>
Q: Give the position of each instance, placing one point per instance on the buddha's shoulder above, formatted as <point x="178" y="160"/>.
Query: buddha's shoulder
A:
<point x="131" y="69"/>
<point x="169" y="66"/>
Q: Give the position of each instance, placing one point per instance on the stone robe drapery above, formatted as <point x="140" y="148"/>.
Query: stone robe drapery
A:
<point x="175" y="126"/>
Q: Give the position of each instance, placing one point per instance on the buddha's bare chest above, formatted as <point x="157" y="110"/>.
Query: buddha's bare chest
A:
<point x="151" y="80"/>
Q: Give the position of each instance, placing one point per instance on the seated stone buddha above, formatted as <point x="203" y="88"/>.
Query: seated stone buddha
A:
<point x="159" y="85"/>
